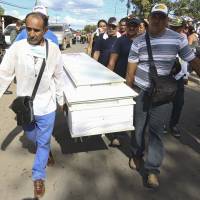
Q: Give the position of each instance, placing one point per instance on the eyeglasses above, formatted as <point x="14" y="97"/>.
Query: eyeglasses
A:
<point x="29" y="29"/>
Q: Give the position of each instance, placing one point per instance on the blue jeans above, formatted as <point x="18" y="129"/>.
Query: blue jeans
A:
<point x="155" y="117"/>
<point x="40" y="134"/>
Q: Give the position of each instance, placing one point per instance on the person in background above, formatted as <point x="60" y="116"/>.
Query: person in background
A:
<point x="101" y="28"/>
<point x="193" y="38"/>
<point x="3" y="46"/>
<point x="24" y="60"/>
<point x="143" y="26"/>
<point x="177" y="24"/>
<point x="166" y="44"/>
<point x="16" y="31"/>
<point x="122" y="26"/>
<point x="119" y="58"/>
<point x="105" y="42"/>
<point x="48" y="35"/>
<point x="186" y="29"/>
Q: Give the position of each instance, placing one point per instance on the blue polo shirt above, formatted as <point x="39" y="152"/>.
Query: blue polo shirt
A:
<point x="48" y="35"/>
<point x="105" y="47"/>
<point x="122" y="47"/>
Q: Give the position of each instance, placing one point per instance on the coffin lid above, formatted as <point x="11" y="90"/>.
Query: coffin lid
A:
<point x="78" y="66"/>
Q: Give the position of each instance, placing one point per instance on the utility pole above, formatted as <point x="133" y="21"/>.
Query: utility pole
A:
<point x="37" y="2"/>
<point x="115" y="7"/>
<point x="128" y="5"/>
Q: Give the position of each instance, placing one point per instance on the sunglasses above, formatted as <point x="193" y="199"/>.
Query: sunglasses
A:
<point x="110" y="26"/>
<point x="158" y="15"/>
<point x="33" y="29"/>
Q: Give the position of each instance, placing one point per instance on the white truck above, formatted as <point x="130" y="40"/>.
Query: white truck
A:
<point x="63" y="33"/>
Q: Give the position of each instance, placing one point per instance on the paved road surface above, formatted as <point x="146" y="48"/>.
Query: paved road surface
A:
<point x="90" y="170"/>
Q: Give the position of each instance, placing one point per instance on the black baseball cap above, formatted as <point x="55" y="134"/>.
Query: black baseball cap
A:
<point x="133" y="21"/>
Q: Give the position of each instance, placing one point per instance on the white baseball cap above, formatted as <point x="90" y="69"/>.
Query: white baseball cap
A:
<point x="160" y="8"/>
<point x="40" y="9"/>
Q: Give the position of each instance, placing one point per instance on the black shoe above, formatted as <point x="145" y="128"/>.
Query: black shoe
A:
<point x="175" y="132"/>
<point x="8" y="92"/>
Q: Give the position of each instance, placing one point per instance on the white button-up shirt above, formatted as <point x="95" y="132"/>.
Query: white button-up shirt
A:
<point x="20" y="61"/>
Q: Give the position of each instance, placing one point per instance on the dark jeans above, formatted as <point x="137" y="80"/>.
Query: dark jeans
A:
<point x="177" y="104"/>
<point x="155" y="117"/>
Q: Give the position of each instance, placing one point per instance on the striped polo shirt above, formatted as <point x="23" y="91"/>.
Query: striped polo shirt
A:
<point x="165" y="48"/>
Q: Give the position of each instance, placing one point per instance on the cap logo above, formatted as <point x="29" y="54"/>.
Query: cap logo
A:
<point x="160" y="6"/>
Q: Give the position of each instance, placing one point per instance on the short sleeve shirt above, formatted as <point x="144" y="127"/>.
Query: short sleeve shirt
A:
<point x="165" y="48"/>
<point x="104" y="46"/>
<point x="122" y="47"/>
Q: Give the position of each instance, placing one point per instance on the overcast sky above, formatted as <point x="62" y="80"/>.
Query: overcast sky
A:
<point x="77" y="13"/>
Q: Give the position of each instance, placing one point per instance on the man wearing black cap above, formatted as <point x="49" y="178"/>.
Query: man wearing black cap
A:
<point x="104" y="43"/>
<point x="119" y="56"/>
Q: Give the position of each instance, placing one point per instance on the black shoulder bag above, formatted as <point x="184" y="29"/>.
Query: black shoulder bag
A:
<point x="163" y="88"/>
<point x="23" y="105"/>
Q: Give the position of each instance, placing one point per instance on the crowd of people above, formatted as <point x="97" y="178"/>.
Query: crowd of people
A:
<point x="122" y="48"/>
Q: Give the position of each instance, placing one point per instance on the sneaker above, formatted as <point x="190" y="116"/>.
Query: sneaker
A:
<point x="152" y="181"/>
<point x="175" y="132"/>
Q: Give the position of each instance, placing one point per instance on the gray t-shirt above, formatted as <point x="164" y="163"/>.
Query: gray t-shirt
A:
<point x="165" y="48"/>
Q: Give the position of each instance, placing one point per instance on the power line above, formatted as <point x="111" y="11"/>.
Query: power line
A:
<point x="14" y="5"/>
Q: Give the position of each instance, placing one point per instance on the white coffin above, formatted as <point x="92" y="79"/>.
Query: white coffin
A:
<point x="98" y="100"/>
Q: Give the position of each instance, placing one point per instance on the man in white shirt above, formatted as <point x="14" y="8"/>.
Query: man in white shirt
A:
<point x="24" y="60"/>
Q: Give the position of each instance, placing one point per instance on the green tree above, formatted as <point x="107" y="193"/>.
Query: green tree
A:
<point x="187" y="7"/>
<point x="190" y="8"/>
<point x="89" y="28"/>
<point x="143" y="7"/>
<point x="1" y="11"/>
<point x="195" y="8"/>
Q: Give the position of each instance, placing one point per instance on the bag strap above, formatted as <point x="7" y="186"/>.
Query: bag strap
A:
<point x="152" y="70"/>
<point x="41" y="71"/>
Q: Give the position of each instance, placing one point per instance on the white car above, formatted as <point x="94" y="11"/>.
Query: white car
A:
<point x="63" y="33"/>
<point x="7" y="32"/>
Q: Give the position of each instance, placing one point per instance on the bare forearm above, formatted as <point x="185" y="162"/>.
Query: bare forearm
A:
<point x="112" y="61"/>
<point x="129" y="79"/>
<point x="89" y="48"/>
<point x="96" y="55"/>
<point x="130" y="74"/>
